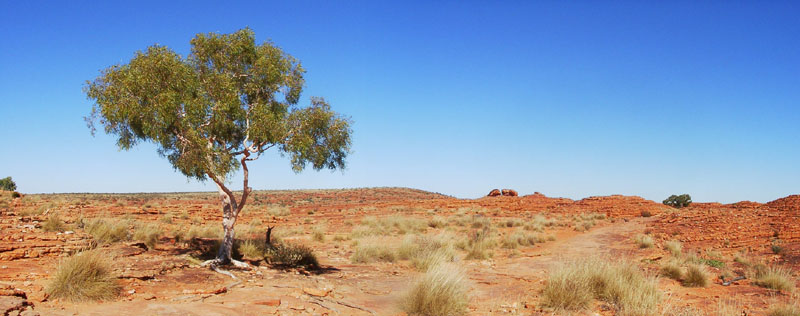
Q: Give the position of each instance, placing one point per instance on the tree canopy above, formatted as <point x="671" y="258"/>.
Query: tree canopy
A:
<point x="7" y="184"/>
<point x="678" y="201"/>
<point x="229" y="97"/>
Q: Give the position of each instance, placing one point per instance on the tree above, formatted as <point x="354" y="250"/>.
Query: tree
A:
<point x="678" y="201"/>
<point x="212" y="112"/>
<point x="7" y="184"/>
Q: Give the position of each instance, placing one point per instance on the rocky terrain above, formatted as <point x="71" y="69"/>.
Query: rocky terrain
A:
<point x="162" y="276"/>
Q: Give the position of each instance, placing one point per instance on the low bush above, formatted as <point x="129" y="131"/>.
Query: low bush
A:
<point x="84" y="276"/>
<point x="292" y="255"/>
<point x="442" y="291"/>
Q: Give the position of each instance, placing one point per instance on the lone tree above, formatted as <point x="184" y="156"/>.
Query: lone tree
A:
<point x="215" y="110"/>
<point x="678" y="201"/>
<point x="7" y="184"/>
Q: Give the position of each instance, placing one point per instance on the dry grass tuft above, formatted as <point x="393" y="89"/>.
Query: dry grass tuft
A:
<point x="148" y="234"/>
<point x="479" y="245"/>
<point x="674" y="247"/>
<point x="426" y="252"/>
<point x="696" y="276"/>
<point x="84" y="276"/>
<point x="572" y="287"/>
<point x="442" y="291"/>
<point x="784" y="310"/>
<point x="54" y="224"/>
<point x="776" y="278"/>
<point x="371" y="251"/>
<point x="106" y="231"/>
<point x="672" y="269"/>
<point x="644" y="241"/>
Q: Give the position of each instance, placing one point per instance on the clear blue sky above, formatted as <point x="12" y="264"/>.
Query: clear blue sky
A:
<point x="568" y="98"/>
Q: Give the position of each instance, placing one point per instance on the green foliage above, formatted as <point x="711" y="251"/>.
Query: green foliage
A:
<point x="290" y="255"/>
<point x="230" y="96"/>
<point x="7" y="184"/>
<point x="678" y="201"/>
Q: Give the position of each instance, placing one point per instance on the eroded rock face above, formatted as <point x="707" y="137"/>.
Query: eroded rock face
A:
<point x="509" y="192"/>
<point x="494" y="192"/>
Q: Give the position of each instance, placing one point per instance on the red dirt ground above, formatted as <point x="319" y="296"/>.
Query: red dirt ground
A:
<point x="164" y="281"/>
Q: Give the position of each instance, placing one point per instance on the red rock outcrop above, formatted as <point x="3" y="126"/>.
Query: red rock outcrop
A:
<point x="509" y="192"/>
<point x="494" y="192"/>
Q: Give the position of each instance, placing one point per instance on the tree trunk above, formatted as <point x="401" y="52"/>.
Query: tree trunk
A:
<point x="229" y="216"/>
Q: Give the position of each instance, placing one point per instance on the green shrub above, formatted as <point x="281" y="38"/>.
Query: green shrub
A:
<point x="7" y="184"/>
<point x="442" y="291"/>
<point x="678" y="201"/>
<point x="291" y="255"/>
<point x="84" y="276"/>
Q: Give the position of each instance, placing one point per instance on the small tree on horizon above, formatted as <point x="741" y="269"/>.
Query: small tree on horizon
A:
<point x="7" y="184"/>
<point x="222" y="106"/>
<point x="678" y="201"/>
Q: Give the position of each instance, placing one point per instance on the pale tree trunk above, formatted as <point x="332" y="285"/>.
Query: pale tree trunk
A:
<point x="230" y="212"/>
<point x="229" y="216"/>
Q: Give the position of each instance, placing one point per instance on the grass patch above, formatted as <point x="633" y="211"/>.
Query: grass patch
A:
<point x="644" y="241"/>
<point x="674" y="247"/>
<point x="372" y="251"/>
<point x="85" y="276"/>
<point x="105" y="231"/>
<point x="426" y="252"/>
<point x="775" y="278"/>
<point x="278" y="211"/>
<point x="441" y="291"/>
<point x="672" y="269"/>
<point x="574" y="285"/>
<point x="479" y="245"/>
<point x="696" y="276"/>
<point x="53" y="224"/>
<point x="784" y="310"/>
<point x="148" y="234"/>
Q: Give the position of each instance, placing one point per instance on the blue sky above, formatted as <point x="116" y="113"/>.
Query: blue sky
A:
<point x="570" y="98"/>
